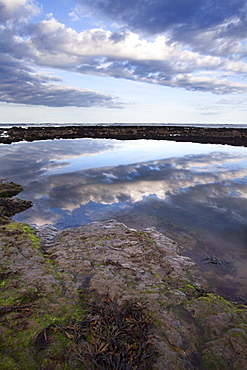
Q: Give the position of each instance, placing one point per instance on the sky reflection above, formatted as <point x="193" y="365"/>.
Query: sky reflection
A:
<point x="195" y="193"/>
<point x="64" y="177"/>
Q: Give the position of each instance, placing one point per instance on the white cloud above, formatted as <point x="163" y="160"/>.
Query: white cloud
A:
<point x="97" y="52"/>
<point x="124" y="54"/>
<point x="18" y="10"/>
<point x="52" y="35"/>
<point x="74" y="17"/>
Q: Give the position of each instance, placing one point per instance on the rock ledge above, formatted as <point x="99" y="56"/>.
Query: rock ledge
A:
<point x="47" y="293"/>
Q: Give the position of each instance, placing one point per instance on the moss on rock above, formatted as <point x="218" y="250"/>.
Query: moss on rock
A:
<point x="44" y="297"/>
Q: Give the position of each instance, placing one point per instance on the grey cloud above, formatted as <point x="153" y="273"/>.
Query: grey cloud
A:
<point x="172" y="70"/>
<point x="12" y="47"/>
<point x="219" y="87"/>
<point x="214" y="41"/>
<point x="164" y="73"/>
<point x="209" y="26"/>
<point x="118" y="36"/>
<point x="218" y="197"/>
<point x="158" y="16"/>
<point x="203" y="24"/>
<point x="39" y="158"/>
<point x="21" y="84"/>
<point x="53" y="45"/>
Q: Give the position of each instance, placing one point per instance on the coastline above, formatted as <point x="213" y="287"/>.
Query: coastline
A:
<point x="226" y="136"/>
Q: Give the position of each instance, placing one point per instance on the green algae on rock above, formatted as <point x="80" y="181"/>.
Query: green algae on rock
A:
<point x="9" y="189"/>
<point x="104" y="296"/>
<point x="47" y="294"/>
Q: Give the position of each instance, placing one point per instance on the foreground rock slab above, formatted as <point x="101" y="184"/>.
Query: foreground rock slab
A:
<point x="49" y="289"/>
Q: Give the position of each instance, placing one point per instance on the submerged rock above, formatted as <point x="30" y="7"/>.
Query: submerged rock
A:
<point x="54" y="302"/>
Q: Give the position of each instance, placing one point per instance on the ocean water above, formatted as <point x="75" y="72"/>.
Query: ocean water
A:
<point x="194" y="193"/>
<point x="188" y="124"/>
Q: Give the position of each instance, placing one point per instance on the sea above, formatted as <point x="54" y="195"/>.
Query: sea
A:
<point x="187" y="124"/>
<point x="194" y="193"/>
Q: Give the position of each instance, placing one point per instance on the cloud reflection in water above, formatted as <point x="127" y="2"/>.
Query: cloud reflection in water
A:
<point x="180" y="188"/>
<point x="72" y="182"/>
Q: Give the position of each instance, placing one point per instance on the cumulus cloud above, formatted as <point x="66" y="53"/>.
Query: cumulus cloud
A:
<point x="126" y="55"/>
<point x="51" y="35"/>
<point x="17" y="10"/>
<point x="212" y="63"/>
<point x="207" y="27"/>
<point x="20" y="82"/>
<point x="122" y="55"/>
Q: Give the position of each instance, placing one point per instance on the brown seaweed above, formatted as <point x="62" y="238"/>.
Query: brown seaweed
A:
<point x="111" y="336"/>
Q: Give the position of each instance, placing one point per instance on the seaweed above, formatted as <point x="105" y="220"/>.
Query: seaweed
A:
<point x="110" y="336"/>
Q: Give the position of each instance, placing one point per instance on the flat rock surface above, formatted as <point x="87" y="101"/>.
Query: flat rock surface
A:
<point x="47" y="289"/>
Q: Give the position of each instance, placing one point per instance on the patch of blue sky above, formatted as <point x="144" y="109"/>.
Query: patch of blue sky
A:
<point x="59" y="8"/>
<point x="71" y="15"/>
<point x="239" y="163"/>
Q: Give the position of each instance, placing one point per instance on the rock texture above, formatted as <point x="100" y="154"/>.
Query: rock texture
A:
<point x="177" y="133"/>
<point x="47" y="289"/>
<point x="9" y="206"/>
<point x="9" y="189"/>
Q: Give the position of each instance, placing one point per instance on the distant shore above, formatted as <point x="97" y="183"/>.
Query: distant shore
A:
<point x="229" y="136"/>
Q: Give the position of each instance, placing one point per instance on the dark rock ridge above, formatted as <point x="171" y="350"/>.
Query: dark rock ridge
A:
<point x="105" y="296"/>
<point x="237" y="137"/>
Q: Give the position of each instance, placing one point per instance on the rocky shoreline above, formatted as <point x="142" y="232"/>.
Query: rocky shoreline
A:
<point x="105" y="296"/>
<point x="236" y="137"/>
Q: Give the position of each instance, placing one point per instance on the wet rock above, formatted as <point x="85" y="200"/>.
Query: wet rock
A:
<point x="47" y="233"/>
<point x="228" y="352"/>
<point x="10" y="206"/>
<point x="47" y="294"/>
<point x="9" y="189"/>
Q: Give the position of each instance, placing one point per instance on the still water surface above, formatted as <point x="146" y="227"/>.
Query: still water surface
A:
<point x="195" y="193"/>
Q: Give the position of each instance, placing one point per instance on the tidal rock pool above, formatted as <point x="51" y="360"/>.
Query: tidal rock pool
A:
<point x="194" y="193"/>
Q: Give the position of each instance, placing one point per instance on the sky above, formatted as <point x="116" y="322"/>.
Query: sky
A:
<point x="115" y="61"/>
